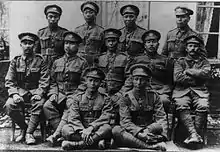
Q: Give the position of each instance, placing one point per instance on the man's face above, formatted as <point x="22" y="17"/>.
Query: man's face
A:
<point x="53" y="18"/>
<point x="111" y="43"/>
<point x="129" y="19"/>
<point x="89" y="15"/>
<point x="151" y="45"/>
<point x="139" y="82"/>
<point x="27" y="47"/>
<point x="93" y="83"/>
<point x="182" y="20"/>
<point x="71" y="47"/>
<point x="192" y="49"/>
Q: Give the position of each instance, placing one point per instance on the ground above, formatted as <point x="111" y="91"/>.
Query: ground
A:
<point x="7" y="145"/>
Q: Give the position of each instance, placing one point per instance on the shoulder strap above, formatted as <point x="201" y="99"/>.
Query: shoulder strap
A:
<point x="133" y="100"/>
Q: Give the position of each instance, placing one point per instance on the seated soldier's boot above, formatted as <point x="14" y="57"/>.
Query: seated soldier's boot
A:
<point x="21" y="137"/>
<point x="200" y="124"/>
<point x="112" y="144"/>
<point x="189" y="124"/>
<point x="52" y="139"/>
<point x="102" y="144"/>
<point x="160" y="146"/>
<point x="193" y="138"/>
<point x="30" y="140"/>
<point x="68" y="145"/>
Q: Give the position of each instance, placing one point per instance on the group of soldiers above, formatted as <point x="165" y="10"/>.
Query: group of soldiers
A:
<point x="109" y="88"/>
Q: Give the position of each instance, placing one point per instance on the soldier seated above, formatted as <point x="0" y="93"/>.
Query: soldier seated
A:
<point x="142" y="116"/>
<point x="190" y="75"/>
<point x="89" y="115"/>
<point x="27" y="81"/>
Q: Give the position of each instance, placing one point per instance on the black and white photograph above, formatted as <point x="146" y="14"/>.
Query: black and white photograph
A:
<point x="110" y="75"/>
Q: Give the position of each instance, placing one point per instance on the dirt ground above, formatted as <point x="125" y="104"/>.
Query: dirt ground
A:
<point x="7" y="145"/>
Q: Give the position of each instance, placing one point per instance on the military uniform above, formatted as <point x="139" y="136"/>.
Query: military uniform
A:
<point x="137" y="115"/>
<point x="161" y="70"/>
<point x="27" y="76"/>
<point x="190" y="76"/>
<point x="174" y="46"/>
<point x="92" y="36"/>
<point x="130" y="40"/>
<point x="51" y="41"/>
<point x="65" y="78"/>
<point x="88" y="111"/>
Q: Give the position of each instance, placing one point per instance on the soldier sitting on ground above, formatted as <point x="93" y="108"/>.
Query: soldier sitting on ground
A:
<point x="142" y="116"/>
<point x="27" y="81"/>
<point x="89" y="115"/>
<point x="65" y="78"/>
<point x="190" y="75"/>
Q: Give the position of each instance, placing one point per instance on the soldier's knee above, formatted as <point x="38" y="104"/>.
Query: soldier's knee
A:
<point x="47" y="105"/>
<point x="155" y="128"/>
<point x="67" y="131"/>
<point x="107" y="127"/>
<point x="9" y="105"/>
<point x="116" y="131"/>
<point x="203" y="106"/>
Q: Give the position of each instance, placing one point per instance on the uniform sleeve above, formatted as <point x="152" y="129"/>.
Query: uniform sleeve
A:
<point x="125" y="117"/>
<point x="180" y="75"/>
<point x="10" y="79"/>
<point x="165" y="47"/>
<point x="203" y="72"/>
<point x="74" y="118"/>
<point x="105" y="116"/>
<point x="160" y="115"/>
<point x="53" y="83"/>
<point x="44" y="80"/>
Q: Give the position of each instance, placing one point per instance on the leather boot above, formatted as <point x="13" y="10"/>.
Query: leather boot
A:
<point x="52" y="139"/>
<point x="55" y="123"/>
<point x="29" y="139"/>
<point x="200" y="122"/>
<point x="187" y="120"/>
<point x="21" y="137"/>
<point x="129" y="140"/>
<point x="68" y="145"/>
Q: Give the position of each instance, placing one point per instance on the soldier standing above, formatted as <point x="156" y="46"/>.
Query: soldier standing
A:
<point x="89" y="115"/>
<point x="190" y="75"/>
<point x="90" y="32"/>
<point x="174" y="46"/>
<point x="27" y="81"/>
<point x="51" y="37"/>
<point x="65" y="78"/>
<point x="113" y="61"/>
<point x="130" y="40"/>
<point x="142" y="116"/>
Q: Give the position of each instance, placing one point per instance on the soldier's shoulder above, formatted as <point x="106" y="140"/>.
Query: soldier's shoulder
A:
<point x="16" y="57"/>
<point x="80" y="26"/>
<point x="141" y="28"/>
<point x="100" y="27"/>
<point x="81" y="59"/>
<point x="102" y="93"/>
<point x="122" y="28"/>
<point x="172" y="31"/>
<point x="42" y="29"/>
<point x="39" y="56"/>
<point x="62" y="28"/>
<point x="181" y="59"/>
<point x="122" y="55"/>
